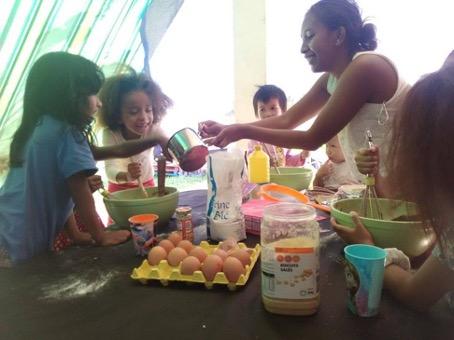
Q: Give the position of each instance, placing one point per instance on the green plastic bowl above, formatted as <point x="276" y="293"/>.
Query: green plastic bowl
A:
<point x="126" y="203"/>
<point x="409" y="236"/>
<point x="295" y="178"/>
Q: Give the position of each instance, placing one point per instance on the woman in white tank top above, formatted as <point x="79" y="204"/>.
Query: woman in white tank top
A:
<point x="358" y="89"/>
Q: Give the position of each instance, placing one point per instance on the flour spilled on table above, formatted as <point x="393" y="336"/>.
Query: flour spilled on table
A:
<point x="75" y="286"/>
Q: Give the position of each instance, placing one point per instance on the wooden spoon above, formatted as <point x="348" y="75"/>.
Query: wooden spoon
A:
<point x="140" y="183"/>
<point x="142" y="188"/>
<point x="161" y="160"/>
<point x="105" y="193"/>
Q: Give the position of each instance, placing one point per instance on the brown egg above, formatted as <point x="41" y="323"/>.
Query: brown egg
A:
<point x="221" y="253"/>
<point x="175" y="238"/>
<point x="186" y="245"/>
<point x="242" y="255"/>
<point x="233" y="268"/>
<point x="228" y="244"/>
<point x="167" y="245"/>
<point x="156" y="254"/>
<point x="211" y="265"/>
<point x="199" y="253"/>
<point x="176" y="255"/>
<point x="189" y="265"/>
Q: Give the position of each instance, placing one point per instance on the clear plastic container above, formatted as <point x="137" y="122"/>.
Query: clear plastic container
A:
<point x="259" y="166"/>
<point x="290" y="240"/>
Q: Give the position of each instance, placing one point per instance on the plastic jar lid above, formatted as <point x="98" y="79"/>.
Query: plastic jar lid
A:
<point x="289" y="212"/>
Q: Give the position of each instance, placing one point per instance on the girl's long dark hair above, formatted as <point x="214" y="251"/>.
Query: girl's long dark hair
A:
<point x="421" y="160"/>
<point x="58" y="85"/>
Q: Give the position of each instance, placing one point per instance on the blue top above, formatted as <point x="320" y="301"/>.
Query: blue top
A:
<point x="35" y="201"/>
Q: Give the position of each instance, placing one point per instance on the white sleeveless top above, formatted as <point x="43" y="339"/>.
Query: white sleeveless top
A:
<point x="338" y="174"/>
<point x="375" y="117"/>
<point x="114" y="166"/>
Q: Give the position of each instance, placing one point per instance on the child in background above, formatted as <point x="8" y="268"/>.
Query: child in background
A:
<point x="335" y="171"/>
<point x="50" y="159"/>
<point x="425" y="127"/>
<point x="271" y="101"/>
<point x="133" y="106"/>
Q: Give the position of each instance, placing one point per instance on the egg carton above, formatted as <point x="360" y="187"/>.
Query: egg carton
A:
<point x="166" y="273"/>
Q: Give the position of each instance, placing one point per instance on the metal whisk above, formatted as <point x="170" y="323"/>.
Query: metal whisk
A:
<point x="370" y="205"/>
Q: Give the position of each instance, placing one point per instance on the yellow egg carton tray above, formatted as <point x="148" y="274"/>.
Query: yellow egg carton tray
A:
<point x="165" y="273"/>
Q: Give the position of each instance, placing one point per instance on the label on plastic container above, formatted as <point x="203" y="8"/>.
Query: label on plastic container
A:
<point x="290" y="272"/>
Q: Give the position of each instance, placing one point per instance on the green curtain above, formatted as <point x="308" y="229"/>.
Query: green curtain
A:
<point x="105" y="31"/>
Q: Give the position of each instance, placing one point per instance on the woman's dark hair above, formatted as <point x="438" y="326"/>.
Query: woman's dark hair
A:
<point x="267" y="92"/>
<point x="421" y="161"/>
<point x="117" y="87"/>
<point x="59" y="84"/>
<point x="345" y="13"/>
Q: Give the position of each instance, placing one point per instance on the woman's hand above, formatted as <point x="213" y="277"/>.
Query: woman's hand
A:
<point x="359" y="234"/>
<point x="228" y="134"/>
<point x="134" y="170"/>
<point x="210" y="128"/>
<point x="95" y="182"/>
<point x="367" y="161"/>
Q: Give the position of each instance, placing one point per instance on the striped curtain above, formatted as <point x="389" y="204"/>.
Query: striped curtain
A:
<point x="104" y="31"/>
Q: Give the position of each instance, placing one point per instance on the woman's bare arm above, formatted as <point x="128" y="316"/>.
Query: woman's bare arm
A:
<point x="365" y="80"/>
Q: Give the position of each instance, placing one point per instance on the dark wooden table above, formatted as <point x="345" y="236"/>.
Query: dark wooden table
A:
<point x="86" y="293"/>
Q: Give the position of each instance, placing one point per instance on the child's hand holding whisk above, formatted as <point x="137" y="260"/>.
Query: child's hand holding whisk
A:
<point x="367" y="160"/>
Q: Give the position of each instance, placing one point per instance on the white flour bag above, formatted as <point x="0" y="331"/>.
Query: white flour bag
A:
<point x="224" y="174"/>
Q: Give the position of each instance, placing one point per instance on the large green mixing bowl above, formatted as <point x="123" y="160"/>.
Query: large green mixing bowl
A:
<point x="295" y="178"/>
<point x="126" y="203"/>
<point x="395" y="230"/>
